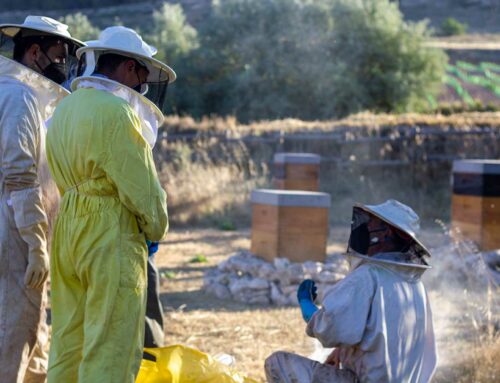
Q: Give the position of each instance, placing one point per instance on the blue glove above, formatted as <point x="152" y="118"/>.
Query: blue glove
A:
<point x="307" y="290"/>
<point x="306" y="294"/>
<point x="152" y="247"/>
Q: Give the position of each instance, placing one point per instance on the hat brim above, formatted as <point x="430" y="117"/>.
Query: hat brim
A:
<point x="389" y="262"/>
<point x="381" y="217"/>
<point x="12" y="30"/>
<point x="156" y="68"/>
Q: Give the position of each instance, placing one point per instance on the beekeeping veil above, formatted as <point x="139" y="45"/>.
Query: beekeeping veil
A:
<point x="149" y="101"/>
<point x="398" y="216"/>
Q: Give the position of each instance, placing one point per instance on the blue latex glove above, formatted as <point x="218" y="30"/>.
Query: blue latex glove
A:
<point x="152" y="247"/>
<point x="306" y="294"/>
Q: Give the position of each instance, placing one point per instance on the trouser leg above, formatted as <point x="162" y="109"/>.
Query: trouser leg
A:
<point x="284" y="367"/>
<point x="38" y="364"/>
<point x="154" y="335"/>
<point x="68" y="296"/>
<point x="114" y="313"/>
<point x="20" y="308"/>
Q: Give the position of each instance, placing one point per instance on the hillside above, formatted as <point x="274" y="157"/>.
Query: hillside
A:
<point x="481" y="15"/>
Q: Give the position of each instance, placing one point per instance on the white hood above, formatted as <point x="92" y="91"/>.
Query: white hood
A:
<point x="47" y="92"/>
<point x="150" y="116"/>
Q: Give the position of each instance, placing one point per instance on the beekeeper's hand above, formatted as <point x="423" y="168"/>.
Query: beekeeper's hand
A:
<point x="152" y="247"/>
<point x="307" y="291"/>
<point x="306" y="294"/>
<point x="38" y="269"/>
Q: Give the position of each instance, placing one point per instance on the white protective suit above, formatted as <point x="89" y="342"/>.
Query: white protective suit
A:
<point x="380" y="318"/>
<point x="27" y="99"/>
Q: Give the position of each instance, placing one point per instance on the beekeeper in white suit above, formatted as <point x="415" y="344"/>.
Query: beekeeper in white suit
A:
<point x="378" y="318"/>
<point x="34" y="60"/>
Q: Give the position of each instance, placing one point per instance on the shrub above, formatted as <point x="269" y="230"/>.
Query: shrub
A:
<point x="381" y="63"/>
<point x="80" y="26"/>
<point x="174" y="38"/>
<point x="171" y="33"/>
<point x="308" y="59"/>
<point x="453" y="27"/>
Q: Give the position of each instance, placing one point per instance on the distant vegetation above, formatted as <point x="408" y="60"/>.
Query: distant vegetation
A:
<point x="81" y="27"/>
<point x="9" y="5"/>
<point x="453" y="27"/>
<point x="485" y="76"/>
<point x="272" y="59"/>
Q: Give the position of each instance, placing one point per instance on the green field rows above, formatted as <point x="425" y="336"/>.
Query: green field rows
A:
<point x="485" y="75"/>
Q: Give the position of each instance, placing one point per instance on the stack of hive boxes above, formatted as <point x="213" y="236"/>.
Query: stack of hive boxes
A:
<point x="291" y="221"/>
<point x="476" y="202"/>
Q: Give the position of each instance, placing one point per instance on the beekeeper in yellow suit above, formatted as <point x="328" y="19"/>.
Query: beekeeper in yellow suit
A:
<point x="99" y="152"/>
<point x="34" y="60"/>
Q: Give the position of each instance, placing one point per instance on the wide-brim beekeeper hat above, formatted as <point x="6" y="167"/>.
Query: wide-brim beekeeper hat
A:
<point x="400" y="217"/>
<point x="39" y="26"/>
<point x="127" y="42"/>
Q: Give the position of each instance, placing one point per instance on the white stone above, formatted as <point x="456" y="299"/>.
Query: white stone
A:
<point x="249" y="279"/>
<point x="312" y="269"/>
<point x="281" y="263"/>
<point x="221" y="291"/>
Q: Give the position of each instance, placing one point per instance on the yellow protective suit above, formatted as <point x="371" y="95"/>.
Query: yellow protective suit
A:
<point x="112" y="202"/>
<point x="26" y="100"/>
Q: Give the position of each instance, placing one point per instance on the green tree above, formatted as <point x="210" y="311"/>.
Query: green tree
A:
<point x="453" y="27"/>
<point x="171" y="33"/>
<point x="308" y="59"/>
<point x="80" y="26"/>
<point x="381" y="62"/>
<point x="258" y="59"/>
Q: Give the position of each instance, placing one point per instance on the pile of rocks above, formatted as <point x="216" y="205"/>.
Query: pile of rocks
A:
<point x="247" y="278"/>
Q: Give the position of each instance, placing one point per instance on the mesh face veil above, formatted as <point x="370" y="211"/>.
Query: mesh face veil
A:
<point x="154" y="88"/>
<point x="360" y="239"/>
<point x="58" y="70"/>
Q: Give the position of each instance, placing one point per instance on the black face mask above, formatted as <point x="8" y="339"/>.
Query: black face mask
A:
<point x="138" y="87"/>
<point x="360" y="241"/>
<point x="56" y="72"/>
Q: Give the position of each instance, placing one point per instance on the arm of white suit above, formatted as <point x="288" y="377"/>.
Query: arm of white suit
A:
<point x="344" y="313"/>
<point x="19" y="156"/>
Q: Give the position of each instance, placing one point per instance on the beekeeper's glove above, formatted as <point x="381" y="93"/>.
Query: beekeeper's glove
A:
<point x="152" y="247"/>
<point x="37" y="271"/>
<point x="306" y="295"/>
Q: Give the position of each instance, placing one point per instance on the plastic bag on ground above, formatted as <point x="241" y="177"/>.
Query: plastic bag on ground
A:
<point x="181" y="364"/>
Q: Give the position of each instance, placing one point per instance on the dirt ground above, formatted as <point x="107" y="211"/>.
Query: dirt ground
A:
<point x="250" y="333"/>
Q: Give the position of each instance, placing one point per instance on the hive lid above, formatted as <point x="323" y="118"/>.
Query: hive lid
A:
<point x="297" y="158"/>
<point x="477" y="166"/>
<point x="290" y="198"/>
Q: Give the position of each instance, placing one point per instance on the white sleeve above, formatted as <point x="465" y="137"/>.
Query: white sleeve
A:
<point x="342" y="319"/>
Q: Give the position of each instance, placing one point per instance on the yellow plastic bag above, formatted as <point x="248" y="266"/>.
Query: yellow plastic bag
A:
<point x="180" y="364"/>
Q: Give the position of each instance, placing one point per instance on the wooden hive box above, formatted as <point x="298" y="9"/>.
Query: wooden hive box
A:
<point x="296" y="171"/>
<point x="290" y="224"/>
<point x="475" y="208"/>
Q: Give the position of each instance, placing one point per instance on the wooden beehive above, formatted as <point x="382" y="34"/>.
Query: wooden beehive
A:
<point x="296" y="171"/>
<point x="290" y="224"/>
<point x="476" y="202"/>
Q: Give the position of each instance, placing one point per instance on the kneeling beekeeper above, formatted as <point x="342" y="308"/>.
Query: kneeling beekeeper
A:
<point x="378" y="318"/>
<point x="35" y="57"/>
<point x="99" y="152"/>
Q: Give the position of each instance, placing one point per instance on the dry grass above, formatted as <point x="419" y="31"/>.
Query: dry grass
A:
<point x="374" y="157"/>
<point x="201" y="193"/>
<point x="362" y="120"/>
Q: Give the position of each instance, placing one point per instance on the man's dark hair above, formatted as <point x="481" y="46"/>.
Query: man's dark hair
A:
<point x="22" y="44"/>
<point x="110" y="61"/>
